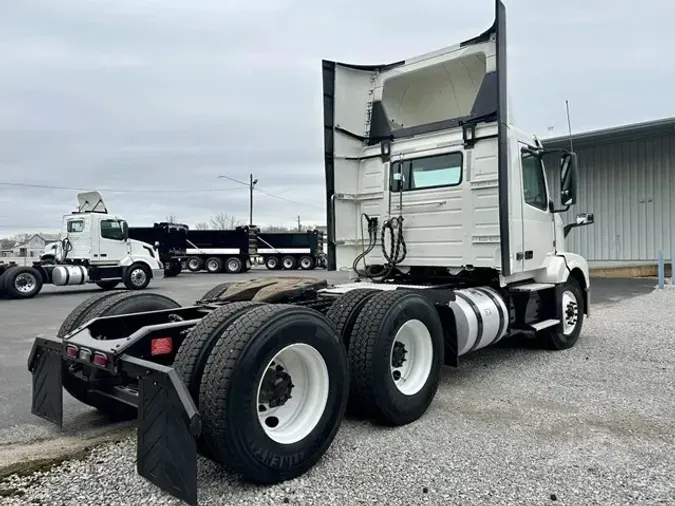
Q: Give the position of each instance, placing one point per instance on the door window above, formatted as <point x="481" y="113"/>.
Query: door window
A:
<point x="112" y="229"/>
<point x="428" y="172"/>
<point x="534" y="184"/>
<point x="75" y="226"/>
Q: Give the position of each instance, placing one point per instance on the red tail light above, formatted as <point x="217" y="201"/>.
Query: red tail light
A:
<point x="100" y="359"/>
<point x="71" y="351"/>
<point x="161" y="346"/>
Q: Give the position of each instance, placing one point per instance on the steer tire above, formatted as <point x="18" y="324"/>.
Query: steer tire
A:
<point x="229" y="400"/>
<point x="373" y="389"/>
<point x="196" y="348"/>
<point x="137" y="276"/>
<point x="344" y="311"/>
<point x="106" y="304"/>
<point x="563" y="337"/>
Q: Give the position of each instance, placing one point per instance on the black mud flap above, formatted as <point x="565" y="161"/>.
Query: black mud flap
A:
<point x="44" y="363"/>
<point x="168" y="428"/>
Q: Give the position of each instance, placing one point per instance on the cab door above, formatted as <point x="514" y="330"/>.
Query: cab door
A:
<point x="538" y="230"/>
<point x="112" y="246"/>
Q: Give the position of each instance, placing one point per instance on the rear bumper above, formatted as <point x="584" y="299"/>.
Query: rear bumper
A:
<point x="168" y="421"/>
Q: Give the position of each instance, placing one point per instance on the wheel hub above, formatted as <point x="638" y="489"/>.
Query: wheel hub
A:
<point x="398" y="355"/>
<point x="138" y="276"/>
<point x="276" y="387"/>
<point x="24" y="282"/>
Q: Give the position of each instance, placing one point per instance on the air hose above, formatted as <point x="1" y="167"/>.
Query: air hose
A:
<point x="394" y="255"/>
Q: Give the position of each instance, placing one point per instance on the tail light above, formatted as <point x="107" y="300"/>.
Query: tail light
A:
<point x="100" y="359"/>
<point x="71" y="351"/>
<point x="161" y="346"/>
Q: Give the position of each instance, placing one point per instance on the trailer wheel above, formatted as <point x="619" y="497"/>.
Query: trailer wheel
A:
<point x="137" y="276"/>
<point x="173" y="269"/>
<point x="106" y="304"/>
<point x="195" y="264"/>
<point x="307" y="263"/>
<point x="233" y="265"/>
<point x="272" y="263"/>
<point x="274" y="392"/>
<point x="107" y="285"/>
<point x="344" y="311"/>
<point x="565" y="335"/>
<point x="395" y="357"/>
<point x="213" y="265"/>
<point x="289" y="263"/>
<point x="22" y="282"/>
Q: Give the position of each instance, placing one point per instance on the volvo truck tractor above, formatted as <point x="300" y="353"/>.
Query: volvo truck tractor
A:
<point x="441" y="210"/>
<point x="94" y="248"/>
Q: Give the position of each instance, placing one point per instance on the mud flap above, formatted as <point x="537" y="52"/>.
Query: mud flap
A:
<point x="168" y="428"/>
<point x="45" y="364"/>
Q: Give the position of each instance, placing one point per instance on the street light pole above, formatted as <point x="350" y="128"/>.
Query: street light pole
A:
<point x="251" y="185"/>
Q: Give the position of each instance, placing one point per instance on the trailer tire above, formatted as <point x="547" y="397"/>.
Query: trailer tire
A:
<point x="195" y="264"/>
<point x="346" y="308"/>
<point x="107" y="304"/>
<point x="375" y="390"/>
<point x="137" y="276"/>
<point x="289" y="263"/>
<point x="173" y="269"/>
<point x="233" y="265"/>
<point x="566" y="334"/>
<point x="272" y="263"/>
<point x="214" y="265"/>
<point x="22" y="282"/>
<point x="230" y="401"/>
<point x="307" y="263"/>
<point x="107" y="285"/>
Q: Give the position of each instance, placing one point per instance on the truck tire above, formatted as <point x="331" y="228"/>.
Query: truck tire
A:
<point x="288" y="263"/>
<point x="214" y="265"/>
<point x="307" y="263"/>
<point x="248" y="370"/>
<point x="107" y="285"/>
<point x="233" y="265"/>
<point x="565" y="335"/>
<point x="396" y="352"/>
<point x="195" y="264"/>
<point x="107" y="304"/>
<point x="344" y="311"/>
<point x="214" y="292"/>
<point x="173" y="269"/>
<point x="137" y="276"/>
<point x="21" y="282"/>
<point x="272" y="263"/>
<point x="196" y="348"/>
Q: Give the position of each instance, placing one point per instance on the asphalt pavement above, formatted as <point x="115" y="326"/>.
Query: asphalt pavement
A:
<point x="22" y="320"/>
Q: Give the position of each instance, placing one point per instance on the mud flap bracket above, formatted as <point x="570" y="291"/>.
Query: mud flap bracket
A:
<point x="45" y="363"/>
<point x="168" y="428"/>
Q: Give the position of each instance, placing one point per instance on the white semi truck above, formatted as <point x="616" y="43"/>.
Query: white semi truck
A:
<point x="94" y="248"/>
<point x="462" y="247"/>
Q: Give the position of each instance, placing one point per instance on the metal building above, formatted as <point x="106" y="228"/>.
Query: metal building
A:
<point x="627" y="179"/>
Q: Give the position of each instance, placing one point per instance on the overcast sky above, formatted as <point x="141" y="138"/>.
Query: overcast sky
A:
<point x="158" y="98"/>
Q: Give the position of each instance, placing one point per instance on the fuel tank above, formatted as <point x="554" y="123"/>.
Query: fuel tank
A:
<point x="63" y="275"/>
<point x="482" y="318"/>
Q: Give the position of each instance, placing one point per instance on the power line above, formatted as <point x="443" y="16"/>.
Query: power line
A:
<point x="112" y="190"/>
<point x="270" y="194"/>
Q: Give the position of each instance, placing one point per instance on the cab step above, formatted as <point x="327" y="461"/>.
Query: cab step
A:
<point x="544" y="324"/>
<point x="532" y="287"/>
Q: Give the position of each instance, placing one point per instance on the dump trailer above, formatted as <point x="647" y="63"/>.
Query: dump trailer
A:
<point x="95" y="248"/>
<point x="169" y="239"/>
<point x="292" y="250"/>
<point x="463" y="247"/>
<point x="231" y="251"/>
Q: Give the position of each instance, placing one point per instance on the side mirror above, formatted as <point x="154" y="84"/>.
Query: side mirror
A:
<point x="582" y="220"/>
<point x="568" y="179"/>
<point x="125" y="230"/>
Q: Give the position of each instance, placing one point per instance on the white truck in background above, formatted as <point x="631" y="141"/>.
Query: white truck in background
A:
<point x="94" y="248"/>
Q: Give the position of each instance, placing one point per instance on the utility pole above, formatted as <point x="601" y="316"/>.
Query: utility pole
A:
<point x="251" y="185"/>
<point x="299" y="226"/>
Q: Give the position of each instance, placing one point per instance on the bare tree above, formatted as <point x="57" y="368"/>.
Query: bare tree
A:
<point x="222" y="221"/>
<point x="275" y="229"/>
<point x="202" y="225"/>
<point x="171" y="219"/>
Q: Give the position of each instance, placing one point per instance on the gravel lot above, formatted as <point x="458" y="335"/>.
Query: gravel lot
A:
<point x="513" y="425"/>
